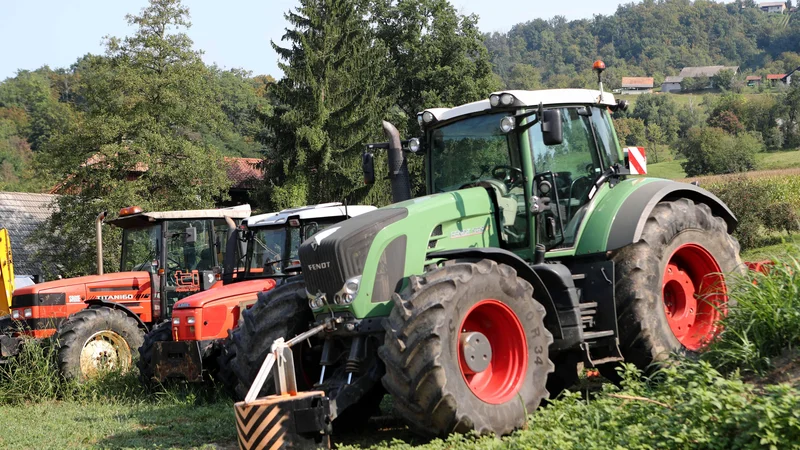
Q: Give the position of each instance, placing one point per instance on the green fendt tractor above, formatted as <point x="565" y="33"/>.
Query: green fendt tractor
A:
<point x="535" y="250"/>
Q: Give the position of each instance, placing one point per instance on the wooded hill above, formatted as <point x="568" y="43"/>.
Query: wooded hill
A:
<point x="651" y="38"/>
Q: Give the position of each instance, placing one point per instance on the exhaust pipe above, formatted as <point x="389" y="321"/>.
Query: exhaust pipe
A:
<point x="398" y="167"/>
<point x="99" y="224"/>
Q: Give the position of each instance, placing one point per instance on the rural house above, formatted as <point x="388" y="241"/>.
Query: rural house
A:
<point x="774" y="78"/>
<point x="754" y="80"/>
<point x="773" y="7"/>
<point x="637" y="85"/>
<point x="673" y="83"/>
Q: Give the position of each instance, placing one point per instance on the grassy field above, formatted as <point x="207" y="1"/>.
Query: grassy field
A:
<point x="765" y="161"/>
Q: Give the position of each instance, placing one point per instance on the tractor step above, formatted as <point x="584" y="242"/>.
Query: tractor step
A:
<point x="592" y="335"/>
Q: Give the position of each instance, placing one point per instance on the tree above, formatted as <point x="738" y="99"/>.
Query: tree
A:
<point x="655" y="136"/>
<point x="139" y="141"/>
<point x="713" y="151"/>
<point x="329" y="103"/>
<point x="723" y="79"/>
<point x="524" y="76"/>
<point x="631" y="131"/>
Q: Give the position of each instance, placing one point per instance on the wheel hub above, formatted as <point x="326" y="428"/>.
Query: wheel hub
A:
<point x="104" y="351"/>
<point x="694" y="294"/>
<point x="476" y="351"/>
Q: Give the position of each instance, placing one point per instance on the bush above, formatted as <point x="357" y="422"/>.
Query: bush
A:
<point x="713" y="151"/>
<point x="760" y="205"/>
<point x="765" y="322"/>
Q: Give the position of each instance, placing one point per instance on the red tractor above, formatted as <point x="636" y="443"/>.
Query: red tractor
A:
<point x="262" y="256"/>
<point x="99" y="321"/>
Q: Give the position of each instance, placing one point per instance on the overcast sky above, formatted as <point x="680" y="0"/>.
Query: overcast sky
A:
<point x="234" y="33"/>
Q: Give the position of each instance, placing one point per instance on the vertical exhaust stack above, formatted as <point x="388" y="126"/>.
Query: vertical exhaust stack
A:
<point x="99" y="229"/>
<point x="398" y="167"/>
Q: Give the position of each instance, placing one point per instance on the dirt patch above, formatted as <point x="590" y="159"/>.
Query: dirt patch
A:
<point x="787" y="370"/>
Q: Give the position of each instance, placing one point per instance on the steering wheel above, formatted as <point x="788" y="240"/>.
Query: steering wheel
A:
<point x="508" y="177"/>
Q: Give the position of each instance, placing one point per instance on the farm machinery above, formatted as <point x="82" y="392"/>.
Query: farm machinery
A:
<point x="99" y="321"/>
<point x="534" y="250"/>
<point x="261" y="255"/>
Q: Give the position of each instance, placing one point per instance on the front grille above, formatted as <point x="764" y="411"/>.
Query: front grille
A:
<point x="328" y="263"/>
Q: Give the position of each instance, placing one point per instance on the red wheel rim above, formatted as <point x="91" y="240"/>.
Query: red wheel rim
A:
<point x="505" y="373"/>
<point x="693" y="295"/>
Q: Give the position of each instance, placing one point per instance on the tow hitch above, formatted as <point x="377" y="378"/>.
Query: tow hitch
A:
<point x="288" y="419"/>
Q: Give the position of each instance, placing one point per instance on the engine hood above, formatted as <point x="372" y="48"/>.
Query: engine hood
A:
<point x="221" y="294"/>
<point x="129" y="279"/>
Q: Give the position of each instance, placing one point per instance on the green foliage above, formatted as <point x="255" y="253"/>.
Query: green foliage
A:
<point x="764" y="324"/>
<point x="139" y="141"/>
<point x="713" y="151"/>
<point x="759" y="205"/>
<point x="328" y="105"/>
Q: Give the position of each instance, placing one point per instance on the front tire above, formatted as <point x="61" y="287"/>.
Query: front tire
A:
<point x="432" y="335"/>
<point x="95" y="340"/>
<point x="670" y="286"/>
<point x="161" y="333"/>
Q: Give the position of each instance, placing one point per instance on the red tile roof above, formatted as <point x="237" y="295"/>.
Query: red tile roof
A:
<point x="754" y="78"/>
<point x="776" y="76"/>
<point x="244" y="172"/>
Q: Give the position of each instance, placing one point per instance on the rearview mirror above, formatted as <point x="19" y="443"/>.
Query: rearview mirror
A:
<point x="551" y="127"/>
<point x="191" y="235"/>
<point x="368" y="167"/>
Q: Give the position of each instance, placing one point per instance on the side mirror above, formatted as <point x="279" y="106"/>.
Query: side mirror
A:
<point x="310" y="230"/>
<point x="551" y="127"/>
<point x="368" y="167"/>
<point x="191" y="235"/>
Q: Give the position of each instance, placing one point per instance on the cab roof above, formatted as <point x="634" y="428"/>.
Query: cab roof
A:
<point x="547" y="97"/>
<point x="136" y="220"/>
<point x="307" y="212"/>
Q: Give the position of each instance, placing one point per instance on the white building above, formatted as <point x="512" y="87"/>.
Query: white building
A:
<point x="773" y="7"/>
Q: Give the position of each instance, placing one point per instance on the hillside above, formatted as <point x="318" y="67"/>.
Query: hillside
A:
<point x="650" y="38"/>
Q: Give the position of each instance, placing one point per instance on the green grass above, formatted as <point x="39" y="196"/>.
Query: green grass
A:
<point x="671" y="170"/>
<point x="765" y="161"/>
<point x="789" y="247"/>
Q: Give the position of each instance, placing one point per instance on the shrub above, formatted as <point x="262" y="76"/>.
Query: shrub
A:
<point x="765" y="321"/>
<point x="713" y="151"/>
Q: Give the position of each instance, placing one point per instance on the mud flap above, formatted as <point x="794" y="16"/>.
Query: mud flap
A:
<point x="181" y="359"/>
<point x="299" y="421"/>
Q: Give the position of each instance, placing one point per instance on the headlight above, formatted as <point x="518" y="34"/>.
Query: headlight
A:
<point x="351" y="286"/>
<point x="176" y="320"/>
<point x="506" y="99"/>
<point x="317" y="301"/>
<point x="15" y="314"/>
<point x="507" y="124"/>
<point x="27" y="312"/>
<point x="427" y="117"/>
<point x="413" y="145"/>
<point x="494" y="100"/>
<point x="190" y="320"/>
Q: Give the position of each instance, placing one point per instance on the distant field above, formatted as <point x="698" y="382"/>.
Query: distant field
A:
<point x="767" y="162"/>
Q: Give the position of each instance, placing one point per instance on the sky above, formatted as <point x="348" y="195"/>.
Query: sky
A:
<point x="232" y="34"/>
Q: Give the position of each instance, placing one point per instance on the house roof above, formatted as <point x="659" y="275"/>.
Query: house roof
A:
<point x="637" y="82"/>
<point x="244" y="172"/>
<point x="705" y="71"/>
<point x="768" y="4"/>
<point x="22" y="214"/>
<point x="776" y="76"/>
<point x="754" y="78"/>
<point x="673" y="79"/>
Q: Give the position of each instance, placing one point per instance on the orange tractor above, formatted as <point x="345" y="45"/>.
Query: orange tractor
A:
<point x="99" y="321"/>
<point x="263" y="255"/>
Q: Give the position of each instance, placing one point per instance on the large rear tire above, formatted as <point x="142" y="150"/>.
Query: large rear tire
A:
<point x="280" y="313"/>
<point x="439" y="382"/>
<point x="96" y="340"/>
<point x="161" y="333"/>
<point x="670" y="286"/>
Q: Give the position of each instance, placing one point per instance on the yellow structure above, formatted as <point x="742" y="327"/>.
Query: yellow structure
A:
<point x="6" y="273"/>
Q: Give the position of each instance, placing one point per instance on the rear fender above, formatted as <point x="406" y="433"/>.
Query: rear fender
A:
<point x="95" y="303"/>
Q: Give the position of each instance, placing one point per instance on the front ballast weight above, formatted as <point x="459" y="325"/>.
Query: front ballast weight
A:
<point x="288" y="419"/>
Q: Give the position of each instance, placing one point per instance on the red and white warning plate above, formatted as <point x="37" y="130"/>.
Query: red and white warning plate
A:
<point x="637" y="160"/>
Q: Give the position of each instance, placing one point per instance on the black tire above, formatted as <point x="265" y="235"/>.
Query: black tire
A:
<point x="160" y="333"/>
<point x="121" y="336"/>
<point x="644" y="331"/>
<point x="565" y="374"/>
<point x="6" y="323"/>
<point x="422" y="356"/>
<point x="282" y="312"/>
<point x="224" y="374"/>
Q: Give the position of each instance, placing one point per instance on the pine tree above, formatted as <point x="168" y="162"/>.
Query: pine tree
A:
<point x="329" y="104"/>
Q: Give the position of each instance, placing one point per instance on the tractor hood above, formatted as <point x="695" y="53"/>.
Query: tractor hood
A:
<point x="381" y="246"/>
<point x="111" y="286"/>
<point x="213" y="297"/>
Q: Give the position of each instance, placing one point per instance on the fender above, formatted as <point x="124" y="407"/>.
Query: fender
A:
<point x="628" y="230"/>
<point x="558" y="296"/>
<point x="96" y="303"/>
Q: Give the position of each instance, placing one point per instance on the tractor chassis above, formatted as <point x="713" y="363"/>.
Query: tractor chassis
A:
<point x="180" y="359"/>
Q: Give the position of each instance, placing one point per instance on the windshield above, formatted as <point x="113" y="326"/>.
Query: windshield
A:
<point x="468" y="150"/>
<point x="140" y="246"/>
<point x="272" y="249"/>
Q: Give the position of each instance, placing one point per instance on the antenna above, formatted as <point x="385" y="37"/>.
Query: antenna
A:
<point x="345" y="208"/>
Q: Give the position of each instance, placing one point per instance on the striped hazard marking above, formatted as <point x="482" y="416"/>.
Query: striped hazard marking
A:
<point x="268" y="423"/>
<point x="637" y="160"/>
